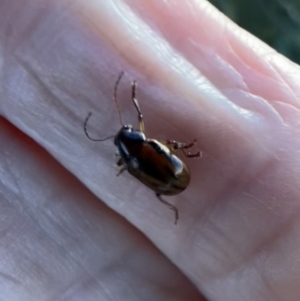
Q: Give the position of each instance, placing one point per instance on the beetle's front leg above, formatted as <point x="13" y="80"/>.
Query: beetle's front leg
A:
<point x="175" y="145"/>
<point x="122" y="166"/>
<point x="136" y="104"/>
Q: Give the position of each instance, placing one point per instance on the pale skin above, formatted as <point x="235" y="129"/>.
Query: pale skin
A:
<point x="71" y="229"/>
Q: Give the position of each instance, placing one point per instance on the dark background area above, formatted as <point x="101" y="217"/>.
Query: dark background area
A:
<point x="276" y="22"/>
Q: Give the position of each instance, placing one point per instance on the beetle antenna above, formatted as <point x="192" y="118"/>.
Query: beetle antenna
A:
<point x="115" y="96"/>
<point x="86" y="132"/>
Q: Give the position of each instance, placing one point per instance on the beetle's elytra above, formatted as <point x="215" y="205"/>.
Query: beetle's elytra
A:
<point x="152" y="162"/>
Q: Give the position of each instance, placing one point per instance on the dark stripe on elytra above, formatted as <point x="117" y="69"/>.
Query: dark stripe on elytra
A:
<point x="161" y="173"/>
<point x="159" y="150"/>
<point x="157" y="147"/>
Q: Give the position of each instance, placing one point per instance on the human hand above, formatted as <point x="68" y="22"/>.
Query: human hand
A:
<point x="71" y="230"/>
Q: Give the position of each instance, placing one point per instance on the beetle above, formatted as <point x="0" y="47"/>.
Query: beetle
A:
<point x="152" y="162"/>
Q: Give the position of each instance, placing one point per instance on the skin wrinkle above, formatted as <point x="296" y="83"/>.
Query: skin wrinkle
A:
<point x="38" y="81"/>
<point x="286" y="120"/>
<point x="189" y="38"/>
<point x="219" y="241"/>
<point x="271" y="290"/>
<point x="271" y="110"/>
<point x="41" y="82"/>
<point x="46" y="232"/>
<point x="11" y="182"/>
<point x="219" y="60"/>
<point x="236" y="278"/>
<point x="270" y="56"/>
<point x="109" y="272"/>
<point x="71" y="290"/>
<point x="197" y="236"/>
<point x="268" y="242"/>
<point x="206" y="273"/>
<point x="9" y="278"/>
<point x="288" y="86"/>
<point x="52" y="96"/>
<point x="231" y="188"/>
<point x="262" y="273"/>
<point x="230" y="271"/>
<point x="248" y="66"/>
<point x="293" y="108"/>
<point x="86" y="285"/>
<point x="232" y="52"/>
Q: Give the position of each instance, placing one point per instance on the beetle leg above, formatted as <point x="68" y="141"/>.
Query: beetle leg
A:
<point x="174" y="146"/>
<point x="172" y="207"/>
<point x="136" y="104"/>
<point x="123" y="168"/>
<point x="120" y="162"/>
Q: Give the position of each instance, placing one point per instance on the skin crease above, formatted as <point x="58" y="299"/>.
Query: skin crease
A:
<point x="70" y="229"/>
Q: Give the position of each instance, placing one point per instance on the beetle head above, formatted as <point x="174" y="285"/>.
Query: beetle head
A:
<point x="123" y="133"/>
<point x="128" y="135"/>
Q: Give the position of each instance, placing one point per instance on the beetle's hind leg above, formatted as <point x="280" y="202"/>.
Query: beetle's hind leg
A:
<point x="175" y="145"/>
<point x="136" y="104"/>
<point x="172" y="207"/>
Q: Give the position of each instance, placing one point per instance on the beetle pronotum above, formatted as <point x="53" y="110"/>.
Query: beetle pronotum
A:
<point x="150" y="161"/>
